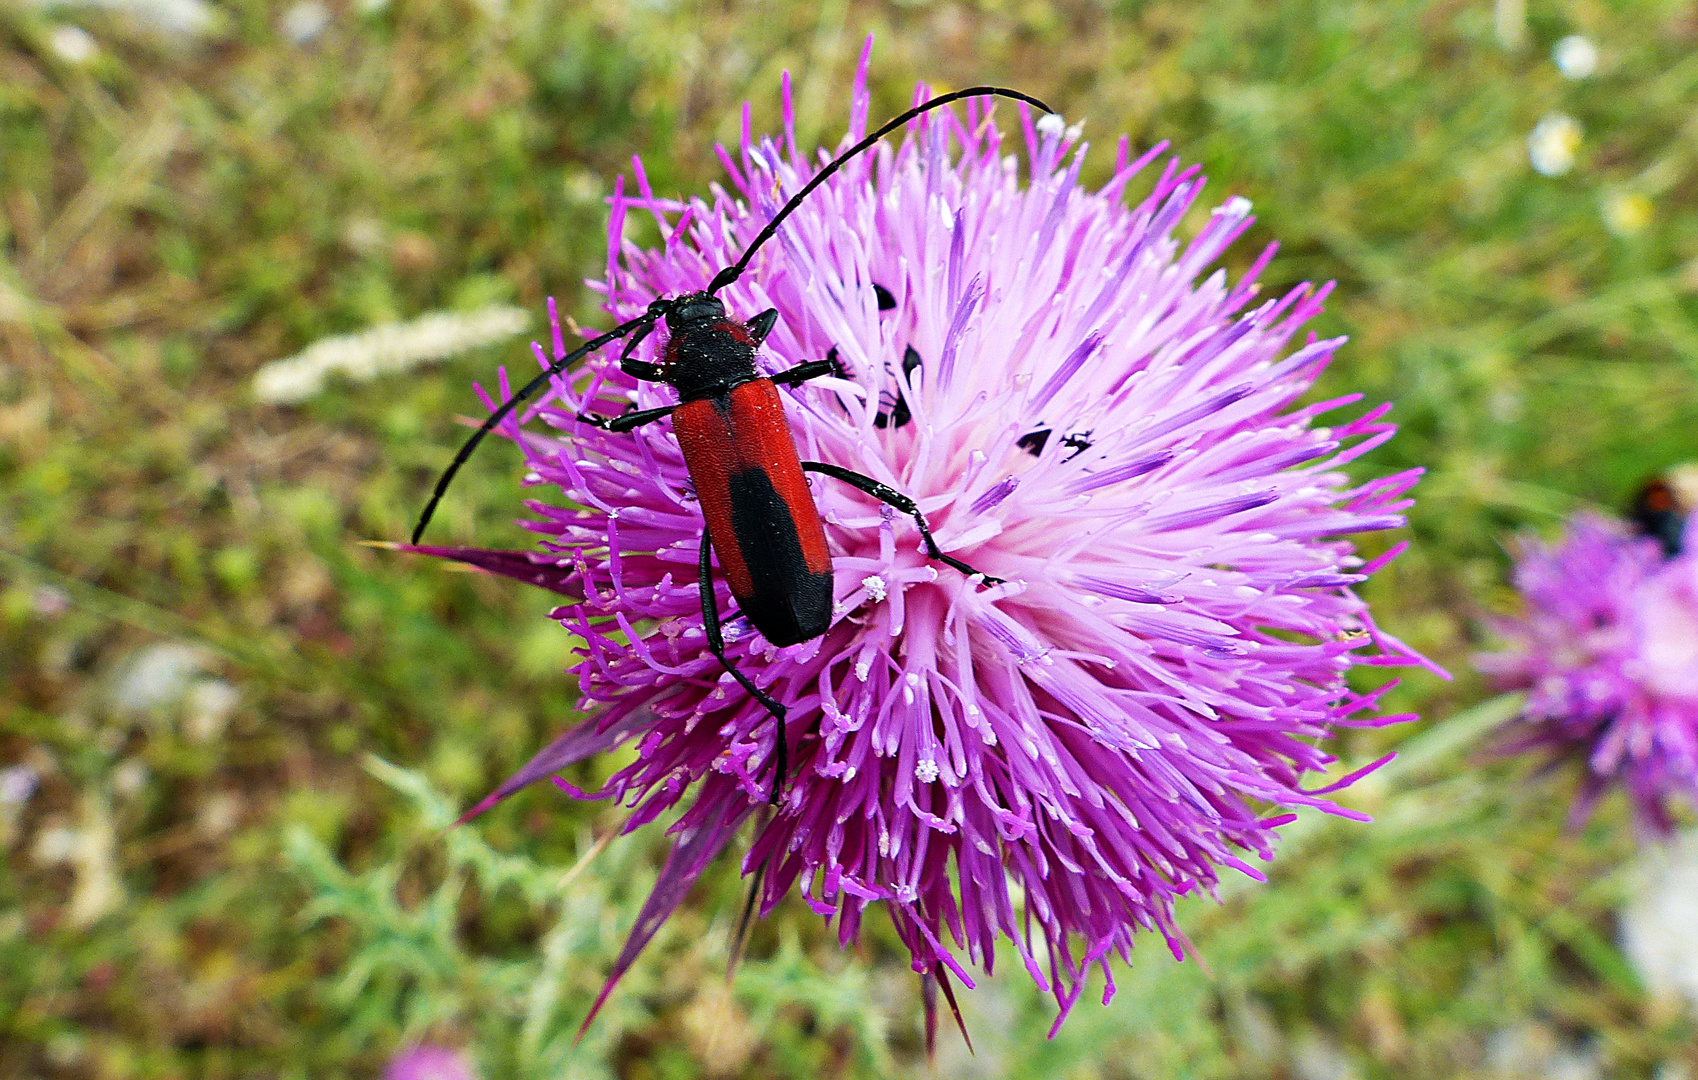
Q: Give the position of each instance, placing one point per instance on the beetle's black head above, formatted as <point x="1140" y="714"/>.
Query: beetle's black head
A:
<point x="693" y="309"/>
<point x="707" y="353"/>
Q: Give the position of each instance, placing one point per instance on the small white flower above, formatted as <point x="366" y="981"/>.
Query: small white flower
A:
<point x="1552" y="144"/>
<point x="72" y="44"/>
<point x="157" y="675"/>
<point x="1575" y="56"/>
<point x="305" y="21"/>
<point x="129" y="777"/>
<point x="58" y="844"/>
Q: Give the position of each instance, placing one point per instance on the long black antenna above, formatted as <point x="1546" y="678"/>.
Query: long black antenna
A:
<point x="721" y="280"/>
<point x="512" y="403"/>
<point x="735" y="271"/>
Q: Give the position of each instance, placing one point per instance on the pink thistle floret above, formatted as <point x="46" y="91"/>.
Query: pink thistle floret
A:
<point x="429" y="1063"/>
<point x="1607" y="651"/>
<point x="1098" y="419"/>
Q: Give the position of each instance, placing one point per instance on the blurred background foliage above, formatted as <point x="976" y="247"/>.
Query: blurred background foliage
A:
<point x="205" y="873"/>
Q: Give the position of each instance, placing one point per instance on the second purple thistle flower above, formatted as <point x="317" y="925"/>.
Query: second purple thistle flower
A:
<point x="1081" y="407"/>
<point x="1607" y="653"/>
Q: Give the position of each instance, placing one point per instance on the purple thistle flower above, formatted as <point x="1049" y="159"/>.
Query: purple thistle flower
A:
<point x="1052" y="760"/>
<point x="1608" y="654"/>
<point x="429" y="1063"/>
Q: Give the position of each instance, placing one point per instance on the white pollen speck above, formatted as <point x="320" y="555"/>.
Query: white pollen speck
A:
<point x="925" y="772"/>
<point x="1074" y="131"/>
<point x="863" y="668"/>
<point x="730" y="632"/>
<point x="1237" y="206"/>
<point x="874" y="586"/>
<point x="1051" y="124"/>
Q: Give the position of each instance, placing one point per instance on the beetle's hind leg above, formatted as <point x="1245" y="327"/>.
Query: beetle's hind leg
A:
<point x="716" y="645"/>
<point x="901" y="503"/>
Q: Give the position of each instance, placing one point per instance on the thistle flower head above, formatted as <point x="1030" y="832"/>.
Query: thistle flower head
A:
<point x="1082" y="407"/>
<point x="1607" y="651"/>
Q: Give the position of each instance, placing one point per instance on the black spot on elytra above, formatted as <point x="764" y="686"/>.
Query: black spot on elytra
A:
<point x="790" y="603"/>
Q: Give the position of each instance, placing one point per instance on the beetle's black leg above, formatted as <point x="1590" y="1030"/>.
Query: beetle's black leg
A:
<point x="903" y="504"/>
<point x="639" y="369"/>
<point x="801" y="373"/>
<point x="761" y="325"/>
<point x="627" y="421"/>
<point x="636" y="339"/>
<point x="642" y="369"/>
<point x="716" y="645"/>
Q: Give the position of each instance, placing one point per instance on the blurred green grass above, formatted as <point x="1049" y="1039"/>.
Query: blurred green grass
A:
<point x="177" y="213"/>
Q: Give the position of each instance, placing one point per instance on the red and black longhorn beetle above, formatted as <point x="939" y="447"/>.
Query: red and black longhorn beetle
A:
<point x="737" y="445"/>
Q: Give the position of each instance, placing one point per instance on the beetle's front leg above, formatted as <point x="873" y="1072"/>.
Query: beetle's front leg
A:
<point x="628" y="420"/>
<point x="639" y="369"/>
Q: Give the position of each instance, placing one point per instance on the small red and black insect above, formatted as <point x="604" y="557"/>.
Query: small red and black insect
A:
<point x="760" y="516"/>
<point x="1659" y="513"/>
